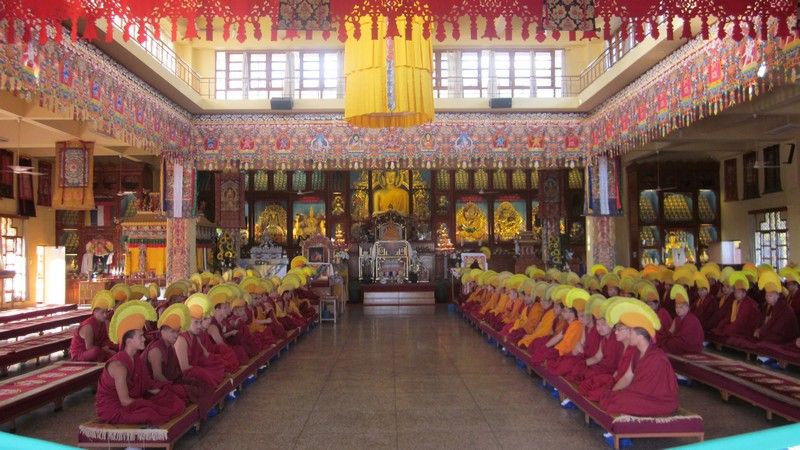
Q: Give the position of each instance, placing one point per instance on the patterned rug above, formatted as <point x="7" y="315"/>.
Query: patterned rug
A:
<point x="767" y="382"/>
<point x="32" y="383"/>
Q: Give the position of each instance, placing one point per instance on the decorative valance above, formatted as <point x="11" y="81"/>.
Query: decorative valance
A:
<point x="243" y="18"/>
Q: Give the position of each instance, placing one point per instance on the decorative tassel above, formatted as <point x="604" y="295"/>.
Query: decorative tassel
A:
<point x="90" y="32"/>
<point x="226" y="31"/>
<point x="375" y="28"/>
<point x="670" y="28"/>
<point x="209" y="28"/>
<point x="687" y="29"/>
<point x="607" y="30"/>
<point x="441" y="34"/>
<point x="525" y="29"/>
<point x="391" y="28"/>
<point x="174" y="29"/>
<point x="309" y="35"/>
<point x="704" y="27"/>
<point x="241" y="36"/>
<point x="509" y="27"/>
<point x="191" y="30"/>
<point x="473" y="27"/>
<point x="721" y="33"/>
<point x="456" y="33"/>
<point x="491" y="31"/>
<point x="341" y="33"/>
<point x="157" y="30"/>
<point x="126" y="32"/>
<point x="409" y="27"/>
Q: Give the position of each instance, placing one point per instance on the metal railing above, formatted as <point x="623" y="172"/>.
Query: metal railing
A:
<point x="205" y="87"/>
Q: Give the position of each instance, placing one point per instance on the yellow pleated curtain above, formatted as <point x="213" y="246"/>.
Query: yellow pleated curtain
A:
<point x="156" y="260"/>
<point x="367" y="100"/>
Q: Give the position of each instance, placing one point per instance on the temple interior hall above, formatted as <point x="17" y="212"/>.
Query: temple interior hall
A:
<point x="399" y="224"/>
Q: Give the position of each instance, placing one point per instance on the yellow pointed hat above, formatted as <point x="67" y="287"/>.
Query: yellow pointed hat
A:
<point x="711" y="270"/>
<point x="576" y="298"/>
<point x="239" y="273"/>
<point x="679" y="294"/>
<point x="103" y="300"/>
<point x="153" y="290"/>
<point x="769" y="281"/>
<point x="634" y="314"/>
<point x="610" y="280"/>
<point x="515" y="281"/>
<point x="560" y="293"/>
<point x="648" y="293"/>
<point x="138" y="291"/>
<point x="177" y="288"/>
<point x="176" y="316"/>
<point x="701" y="281"/>
<point x="130" y="316"/>
<point x="598" y="270"/>
<point x="595" y="306"/>
<point x="725" y="275"/>
<point x="199" y="305"/>
<point x="298" y="261"/>
<point x="121" y="292"/>
<point x="738" y="280"/>
<point x="197" y="282"/>
<point x="540" y="290"/>
<point x="220" y="294"/>
<point x="251" y="285"/>
<point x="790" y="274"/>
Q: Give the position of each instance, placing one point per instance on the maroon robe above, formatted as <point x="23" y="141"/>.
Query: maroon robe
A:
<point x="146" y="409"/>
<point x="788" y="352"/>
<point x="77" y="347"/>
<point x="779" y="327"/>
<point x="568" y="364"/>
<point x="723" y="310"/>
<point x="208" y="369"/>
<point x="225" y="353"/>
<point x="687" y="337"/>
<point x="704" y="310"/>
<point x="747" y="320"/>
<point x="666" y="321"/>
<point x="188" y="388"/>
<point x="794" y="303"/>
<point x="652" y="392"/>
<point x="237" y="349"/>
<point x="600" y="384"/>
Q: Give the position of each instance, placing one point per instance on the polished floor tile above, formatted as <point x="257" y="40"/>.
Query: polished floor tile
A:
<point x="416" y="378"/>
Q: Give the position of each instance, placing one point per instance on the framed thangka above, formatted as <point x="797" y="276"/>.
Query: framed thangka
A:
<point x="472" y="224"/>
<point x="272" y="220"/>
<point x="309" y="217"/>
<point x="359" y="195"/>
<point x="510" y="217"/>
<point x="421" y="184"/>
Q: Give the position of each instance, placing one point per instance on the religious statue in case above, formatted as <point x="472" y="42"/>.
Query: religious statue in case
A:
<point x="508" y="222"/>
<point x="391" y="196"/>
<point x="471" y="224"/>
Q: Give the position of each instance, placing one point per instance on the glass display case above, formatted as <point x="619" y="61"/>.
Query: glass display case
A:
<point x="707" y="205"/>
<point x="680" y="247"/>
<point x="650" y="236"/>
<point x="678" y="207"/>
<point x="649" y="209"/>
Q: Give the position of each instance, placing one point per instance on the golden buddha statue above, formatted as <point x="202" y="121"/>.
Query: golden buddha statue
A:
<point x="471" y="224"/>
<point x="390" y="197"/>
<point x="272" y="221"/>
<point x="674" y="243"/>
<point x="507" y="222"/>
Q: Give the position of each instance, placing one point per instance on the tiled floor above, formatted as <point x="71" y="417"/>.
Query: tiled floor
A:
<point x="413" y="379"/>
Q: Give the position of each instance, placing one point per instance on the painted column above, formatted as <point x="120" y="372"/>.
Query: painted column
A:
<point x="179" y="199"/>
<point x="601" y="241"/>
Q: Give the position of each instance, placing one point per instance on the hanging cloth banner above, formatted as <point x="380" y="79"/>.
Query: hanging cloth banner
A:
<point x="6" y="175"/>
<point x="45" y="189"/>
<point x="179" y="188"/>
<point x="602" y="195"/>
<point x="74" y="176"/>
<point x="229" y="201"/>
<point x="25" y="202"/>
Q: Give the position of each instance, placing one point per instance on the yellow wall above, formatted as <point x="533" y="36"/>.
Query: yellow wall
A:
<point x="39" y="230"/>
<point x="738" y="224"/>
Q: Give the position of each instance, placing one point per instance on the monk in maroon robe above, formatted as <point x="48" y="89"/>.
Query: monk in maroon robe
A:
<point x="90" y="341"/>
<point x="649" y="387"/>
<point x="744" y="318"/>
<point x="600" y="384"/>
<point x="704" y="306"/>
<point x="685" y="334"/>
<point x="779" y="327"/>
<point x="588" y="346"/>
<point x="126" y="394"/>
<point x="723" y="310"/>
<point x="219" y="335"/>
<point x="604" y="360"/>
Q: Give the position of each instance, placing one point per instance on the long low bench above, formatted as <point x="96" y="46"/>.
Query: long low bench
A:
<point x="20" y="351"/>
<point x="13" y="330"/>
<point x="777" y="394"/>
<point x="682" y="424"/>
<point x="28" y="313"/>
<point x="785" y="358"/>
<point x="96" y="433"/>
<point x="50" y="384"/>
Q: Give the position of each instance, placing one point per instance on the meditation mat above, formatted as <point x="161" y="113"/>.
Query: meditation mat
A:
<point x="37" y="325"/>
<point x="99" y="432"/>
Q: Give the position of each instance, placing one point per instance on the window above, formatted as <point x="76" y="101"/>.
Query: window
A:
<point x="771" y="241"/>
<point x="318" y="74"/>
<point x="250" y="75"/>
<point x="440" y="74"/>
<point x="474" y="73"/>
<point x="516" y="73"/>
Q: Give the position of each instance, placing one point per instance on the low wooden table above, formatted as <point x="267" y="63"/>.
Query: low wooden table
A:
<point x="399" y="294"/>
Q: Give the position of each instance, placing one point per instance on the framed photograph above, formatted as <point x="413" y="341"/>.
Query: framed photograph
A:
<point x="474" y="261"/>
<point x="317" y="255"/>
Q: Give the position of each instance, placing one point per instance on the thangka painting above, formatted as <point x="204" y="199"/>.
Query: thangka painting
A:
<point x="45" y="192"/>
<point x="74" y="175"/>
<point x="472" y="224"/>
<point x="510" y="217"/>
<point x="304" y="15"/>
<point x="230" y="199"/>
<point x="309" y="217"/>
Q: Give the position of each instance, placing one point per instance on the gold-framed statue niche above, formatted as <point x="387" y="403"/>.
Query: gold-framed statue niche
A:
<point x="390" y="192"/>
<point x="273" y="222"/>
<point x="472" y="224"/>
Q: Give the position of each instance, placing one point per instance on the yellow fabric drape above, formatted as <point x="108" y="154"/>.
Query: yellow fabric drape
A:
<point x="366" y="102"/>
<point x="156" y="261"/>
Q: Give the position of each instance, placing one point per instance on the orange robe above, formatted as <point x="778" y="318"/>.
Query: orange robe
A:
<point x="543" y="329"/>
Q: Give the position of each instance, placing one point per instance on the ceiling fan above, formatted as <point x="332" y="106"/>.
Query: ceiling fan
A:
<point x="659" y="188"/>
<point x="482" y="192"/>
<point x="22" y="170"/>
<point x="299" y="192"/>
<point x="19" y="169"/>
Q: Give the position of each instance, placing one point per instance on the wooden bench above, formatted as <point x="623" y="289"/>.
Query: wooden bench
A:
<point x="783" y="358"/>
<point x="776" y="393"/>
<point x="20" y="351"/>
<point x="99" y="434"/>
<point x="32" y="390"/>
<point x="28" y="313"/>
<point x="41" y="324"/>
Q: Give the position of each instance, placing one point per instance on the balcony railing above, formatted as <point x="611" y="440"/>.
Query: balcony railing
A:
<point x="205" y="87"/>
